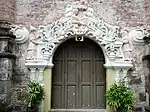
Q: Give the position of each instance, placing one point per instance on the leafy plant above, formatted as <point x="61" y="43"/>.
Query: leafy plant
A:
<point x="34" y="95"/>
<point x="120" y="98"/>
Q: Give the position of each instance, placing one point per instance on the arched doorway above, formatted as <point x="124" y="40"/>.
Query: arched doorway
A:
<point x="78" y="66"/>
<point x="78" y="76"/>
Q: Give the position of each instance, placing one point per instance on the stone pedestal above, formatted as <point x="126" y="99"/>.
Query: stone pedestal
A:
<point x="6" y="62"/>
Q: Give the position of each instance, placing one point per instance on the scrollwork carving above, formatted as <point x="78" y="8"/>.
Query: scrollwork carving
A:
<point x="21" y="33"/>
<point x="137" y="35"/>
<point x="80" y="20"/>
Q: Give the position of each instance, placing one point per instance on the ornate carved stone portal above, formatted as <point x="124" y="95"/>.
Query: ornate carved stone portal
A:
<point x="79" y="20"/>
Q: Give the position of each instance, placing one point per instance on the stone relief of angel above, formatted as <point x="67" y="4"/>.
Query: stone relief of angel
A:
<point x="32" y="50"/>
<point x="126" y="47"/>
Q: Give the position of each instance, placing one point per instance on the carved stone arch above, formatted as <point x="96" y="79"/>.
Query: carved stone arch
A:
<point x="79" y="21"/>
<point x="57" y="46"/>
<point x="105" y="35"/>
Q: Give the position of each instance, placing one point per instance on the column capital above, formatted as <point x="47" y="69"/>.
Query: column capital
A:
<point x="32" y="69"/>
<point x="50" y="65"/>
<point x="118" y="65"/>
<point x="33" y="74"/>
<point x="41" y="69"/>
<point x="35" y="64"/>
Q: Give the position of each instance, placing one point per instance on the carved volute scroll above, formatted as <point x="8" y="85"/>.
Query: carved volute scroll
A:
<point x="21" y="33"/>
<point x="137" y="35"/>
<point x="131" y="39"/>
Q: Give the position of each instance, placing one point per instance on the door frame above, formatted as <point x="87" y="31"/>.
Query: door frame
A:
<point x="94" y="48"/>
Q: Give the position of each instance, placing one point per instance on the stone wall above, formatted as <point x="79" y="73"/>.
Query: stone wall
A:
<point x="7" y="60"/>
<point x="147" y="12"/>
<point x="7" y="10"/>
<point x="128" y="14"/>
<point x="124" y="13"/>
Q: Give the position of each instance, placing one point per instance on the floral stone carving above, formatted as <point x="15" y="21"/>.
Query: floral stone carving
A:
<point x="80" y="20"/>
<point x="137" y="35"/>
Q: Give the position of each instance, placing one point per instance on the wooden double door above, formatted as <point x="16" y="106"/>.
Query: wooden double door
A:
<point x="78" y="76"/>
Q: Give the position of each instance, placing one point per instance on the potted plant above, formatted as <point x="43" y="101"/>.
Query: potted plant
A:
<point x="34" y="96"/>
<point x="120" y="98"/>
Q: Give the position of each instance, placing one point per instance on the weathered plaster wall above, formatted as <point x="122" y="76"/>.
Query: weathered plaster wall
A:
<point x="7" y="10"/>
<point x="147" y="12"/>
<point x="125" y="13"/>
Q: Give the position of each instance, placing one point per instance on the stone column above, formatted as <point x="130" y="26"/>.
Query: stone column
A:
<point x="48" y="88"/>
<point x="110" y="79"/>
<point x="121" y="73"/>
<point x="41" y="82"/>
<point x="6" y="62"/>
<point x="41" y="76"/>
<point x="115" y="72"/>
<point x="37" y="74"/>
<point x="32" y="74"/>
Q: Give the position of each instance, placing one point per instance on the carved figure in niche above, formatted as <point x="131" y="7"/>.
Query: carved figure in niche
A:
<point x="126" y="47"/>
<point x="32" y="50"/>
<point x="79" y="9"/>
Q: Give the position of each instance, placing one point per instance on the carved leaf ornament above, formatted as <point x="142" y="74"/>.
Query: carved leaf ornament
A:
<point x="72" y="25"/>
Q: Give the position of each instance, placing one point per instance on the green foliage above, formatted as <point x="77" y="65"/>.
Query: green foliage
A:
<point x="34" y="95"/>
<point x="120" y="98"/>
